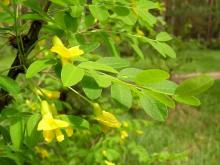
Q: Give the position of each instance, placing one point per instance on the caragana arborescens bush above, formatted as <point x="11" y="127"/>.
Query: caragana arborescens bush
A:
<point x="71" y="92"/>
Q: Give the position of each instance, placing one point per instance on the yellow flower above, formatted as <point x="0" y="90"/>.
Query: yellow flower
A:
<point x="124" y="135"/>
<point x="69" y="131"/>
<point x="50" y="94"/>
<point x="42" y="152"/>
<point x="66" y="54"/>
<point x="108" y="119"/>
<point x="109" y="163"/>
<point x="50" y="126"/>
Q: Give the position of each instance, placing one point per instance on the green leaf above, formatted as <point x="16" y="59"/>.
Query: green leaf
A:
<point x="129" y="74"/>
<point x="134" y="44"/>
<point x="163" y="48"/>
<point x="129" y="19"/>
<point x="122" y="11"/>
<point x="190" y="100"/>
<point x="75" y="121"/>
<point x="38" y="66"/>
<point x="147" y="17"/>
<point x="153" y="108"/>
<point x="166" y="87"/>
<point x="70" y="22"/>
<point x="148" y="4"/>
<point x="87" y="48"/>
<point x="122" y="95"/>
<point x="34" y="5"/>
<point x="16" y="133"/>
<point x="31" y="16"/>
<point x="162" y="98"/>
<point x="97" y="66"/>
<point x="194" y="86"/>
<point x="71" y="75"/>
<point x="156" y="46"/>
<point x="102" y="80"/>
<point x="110" y="44"/>
<point x="31" y="130"/>
<point x="9" y="85"/>
<point x="114" y="62"/>
<point x="91" y="88"/>
<point x="76" y="11"/>
<point x="99" y="12"/>
<point x="167" y="49"/>
<point x="163" y="36"/>
<point x="89" y="21"/>
<point x="151" y="76"/>
<point x="60" y="2"/>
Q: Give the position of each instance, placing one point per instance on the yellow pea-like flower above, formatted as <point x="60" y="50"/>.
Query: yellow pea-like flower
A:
<point x="66" y="55"/>
<point x="108" y="119"/>
<point x="69" y="131"/>
<point x="42" y="152"/>
<point x="50" y="126"/>
<point x="123" y="135"/>
<point x="48" y="93"/>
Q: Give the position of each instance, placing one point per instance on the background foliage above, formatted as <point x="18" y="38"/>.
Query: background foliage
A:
<point x="127" y="69"/>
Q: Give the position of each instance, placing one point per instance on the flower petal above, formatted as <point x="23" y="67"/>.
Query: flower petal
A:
<point x="50" y="94"/>
<point x="61" y="123"/>
<point x="108" y="119"/>
<point x="45" y="107"/>
<point x="48" y="136"/>
<point x="62" y="51"/>
<point x="75" y="51"/>
<point x="48" y="123"/>
<point x="69" y="131"/>
<point x="59" y="135"/>
<point x="57" y="41"/>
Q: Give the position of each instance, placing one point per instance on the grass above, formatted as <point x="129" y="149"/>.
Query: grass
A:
<point x="199" y="61"/>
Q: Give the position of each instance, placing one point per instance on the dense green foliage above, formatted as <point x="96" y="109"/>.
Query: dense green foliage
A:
<point x="82" y="97"/>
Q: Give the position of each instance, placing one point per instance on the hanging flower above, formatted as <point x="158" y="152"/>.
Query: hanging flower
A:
<point x="42" y="152"/>
<point x="66" y="54"/>
<point x="108" y="119"/>
<point x="123" y="135"/>
<point x="52" y="127"/>
<point x="48" y="93"/>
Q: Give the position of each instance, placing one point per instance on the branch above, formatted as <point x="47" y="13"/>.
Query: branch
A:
<point x="27" y="43"/>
